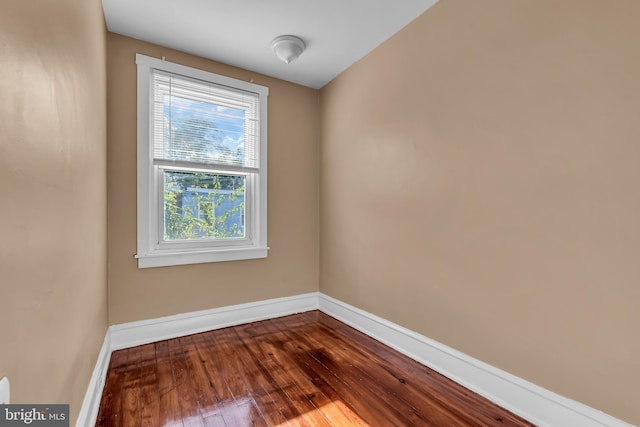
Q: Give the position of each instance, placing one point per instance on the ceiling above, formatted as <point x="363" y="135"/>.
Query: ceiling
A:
<point x="239" y="32"/>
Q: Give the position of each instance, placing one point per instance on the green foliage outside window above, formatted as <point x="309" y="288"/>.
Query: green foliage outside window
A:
<point x="194" y="202"/>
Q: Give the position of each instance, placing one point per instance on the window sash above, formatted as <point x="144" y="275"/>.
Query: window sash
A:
<point x="185" y="244"/>
<point x="211" y="103"/>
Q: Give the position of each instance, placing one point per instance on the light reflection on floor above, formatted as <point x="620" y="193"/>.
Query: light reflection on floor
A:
<point x="240" y="412"/>
<point x="336" y="411"/>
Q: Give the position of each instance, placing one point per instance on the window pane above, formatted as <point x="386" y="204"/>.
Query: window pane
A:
<point x="200" y="131"/>
<point x="203" y="206"/>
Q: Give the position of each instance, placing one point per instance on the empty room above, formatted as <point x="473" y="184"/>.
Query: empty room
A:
<point x="296" y="212"/>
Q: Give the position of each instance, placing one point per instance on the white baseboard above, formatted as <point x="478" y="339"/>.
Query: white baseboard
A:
<point x="533" y="403"/>
<point x="91" y="403"/>
<point x="536" y="404"/>
<point x="146" y="331"/>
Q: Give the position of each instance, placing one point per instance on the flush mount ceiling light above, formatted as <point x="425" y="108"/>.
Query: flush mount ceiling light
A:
<point x="287" y="48"/>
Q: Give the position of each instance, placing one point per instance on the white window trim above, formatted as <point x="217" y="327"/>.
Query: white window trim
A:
<point x="148" y="252"/>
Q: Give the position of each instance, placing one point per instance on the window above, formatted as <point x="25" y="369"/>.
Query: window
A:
<point x="202" y="166"/>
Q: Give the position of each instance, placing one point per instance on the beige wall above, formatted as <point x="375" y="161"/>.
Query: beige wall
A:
<point x="293" y="262"/>
<point x="480" y="184"/>
<point x="53" y="290"/>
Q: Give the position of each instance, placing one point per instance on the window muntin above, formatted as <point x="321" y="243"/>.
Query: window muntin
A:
<point x="201" y="166"/>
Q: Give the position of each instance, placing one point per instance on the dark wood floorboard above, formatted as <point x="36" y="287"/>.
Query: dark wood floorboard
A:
<point x="302" y="370"/>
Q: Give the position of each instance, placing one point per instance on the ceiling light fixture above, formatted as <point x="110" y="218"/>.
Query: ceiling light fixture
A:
<point x="288" y="48"/>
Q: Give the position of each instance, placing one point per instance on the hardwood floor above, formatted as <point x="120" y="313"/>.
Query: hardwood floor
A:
<point x="302" y="370"/>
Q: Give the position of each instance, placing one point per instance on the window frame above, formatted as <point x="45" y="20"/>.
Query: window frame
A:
<point x="152" y="250"/>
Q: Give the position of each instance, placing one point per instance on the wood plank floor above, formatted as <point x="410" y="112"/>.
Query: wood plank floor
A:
<point x="302" y="370"/>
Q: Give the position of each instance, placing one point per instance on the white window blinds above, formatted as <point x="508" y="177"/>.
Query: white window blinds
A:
<point x="204" y="123"/>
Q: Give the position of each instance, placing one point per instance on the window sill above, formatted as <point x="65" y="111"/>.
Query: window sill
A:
<point x="166" y="259"/>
